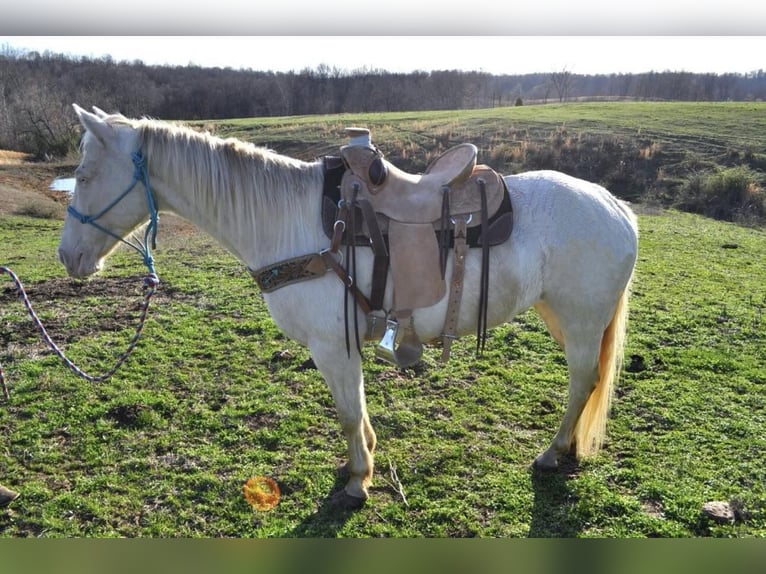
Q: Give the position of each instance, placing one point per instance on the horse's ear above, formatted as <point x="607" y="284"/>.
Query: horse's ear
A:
<point x="103" y="115"/>
<point x="94" y="124"/>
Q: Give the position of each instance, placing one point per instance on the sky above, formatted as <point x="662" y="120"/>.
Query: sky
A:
<point x="492" y="54"/>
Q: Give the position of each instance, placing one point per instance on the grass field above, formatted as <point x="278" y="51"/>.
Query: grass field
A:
<point x="641" y="151"/>
<point x="214" y="393"/>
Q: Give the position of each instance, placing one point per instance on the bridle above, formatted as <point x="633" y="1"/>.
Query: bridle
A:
<point x="141" y="174"/>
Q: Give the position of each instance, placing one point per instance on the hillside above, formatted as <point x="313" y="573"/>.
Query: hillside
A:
<point x="641" y="151"/>
<point x="651" y="153"/>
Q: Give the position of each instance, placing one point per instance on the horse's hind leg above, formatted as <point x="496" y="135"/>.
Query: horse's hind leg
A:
<point x="593" y="355"/>
<point x="343" y="375"/>
<point x="582" y="353"/>
<point x="551" y="321"/>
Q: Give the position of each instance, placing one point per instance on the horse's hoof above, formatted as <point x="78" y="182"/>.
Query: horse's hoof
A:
<point x="544" y="466"/>
<point x="7" y="496"/>
<point x="346" y="501"/>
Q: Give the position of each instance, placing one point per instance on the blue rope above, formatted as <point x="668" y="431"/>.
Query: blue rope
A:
<point x="151" y="281"/>
<point x="141" y="174"/>
<point x="150" y="287"/>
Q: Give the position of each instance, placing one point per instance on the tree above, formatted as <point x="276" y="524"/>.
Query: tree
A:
<point x="562" y="82"/>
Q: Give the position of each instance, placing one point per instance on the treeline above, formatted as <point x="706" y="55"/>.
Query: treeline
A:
<point x="36" y="92"/>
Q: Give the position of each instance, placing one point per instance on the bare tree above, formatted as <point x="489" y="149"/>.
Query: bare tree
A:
<point x="562" y="82"/>
<point x="36" y="91"/>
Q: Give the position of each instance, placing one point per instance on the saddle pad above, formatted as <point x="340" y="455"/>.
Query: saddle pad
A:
<point x="407" y="198"/>
<point x="499" y="229"/>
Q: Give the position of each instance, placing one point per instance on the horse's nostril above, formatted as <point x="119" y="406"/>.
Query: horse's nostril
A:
<point x="69" y="260"/>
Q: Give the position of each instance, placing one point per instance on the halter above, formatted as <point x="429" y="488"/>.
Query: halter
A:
<point x="141" y="174"/>
<point x="150" y="281"/>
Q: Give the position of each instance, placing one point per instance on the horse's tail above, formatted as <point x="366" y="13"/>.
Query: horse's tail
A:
<point x="591" y="427"/>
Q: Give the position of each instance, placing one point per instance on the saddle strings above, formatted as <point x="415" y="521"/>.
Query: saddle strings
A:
<point x="481" y="328"/>
<point x="351" y="272"/>
<point x="444" y="230"/>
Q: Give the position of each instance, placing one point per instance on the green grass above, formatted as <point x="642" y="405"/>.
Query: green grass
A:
<point x="730" y="122"/>
<point x="718" y="126"/>
<point x="214" y="394"/>
<point x="641" y="151"/>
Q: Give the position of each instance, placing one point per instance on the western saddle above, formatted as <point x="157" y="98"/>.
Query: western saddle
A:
<point x="411" y="221"/>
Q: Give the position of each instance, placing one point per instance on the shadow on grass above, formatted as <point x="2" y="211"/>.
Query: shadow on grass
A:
<point x="331" y="516"/>
<point x="552" y="509"/>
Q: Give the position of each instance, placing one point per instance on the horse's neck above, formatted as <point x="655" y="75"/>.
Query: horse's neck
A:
<point x="260" y="218"/>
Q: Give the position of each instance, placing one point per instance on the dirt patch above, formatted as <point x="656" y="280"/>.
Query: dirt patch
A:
<point x="59" y="301"/>
<point x="129" y="416"/>
<point x="24" y="185"/>
<point x="25" y="190"/>
<point x="653" y="508"/>
<point x="49" y="298"/>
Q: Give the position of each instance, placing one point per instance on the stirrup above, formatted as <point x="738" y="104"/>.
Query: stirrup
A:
<point x="386" y="349"/>
<point x="402" y="351"/>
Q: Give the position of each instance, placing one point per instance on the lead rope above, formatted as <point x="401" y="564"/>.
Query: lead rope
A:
<point x="150" y="286"/>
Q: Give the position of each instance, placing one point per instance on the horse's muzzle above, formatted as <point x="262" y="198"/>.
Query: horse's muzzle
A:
<point x="76" y="265"/>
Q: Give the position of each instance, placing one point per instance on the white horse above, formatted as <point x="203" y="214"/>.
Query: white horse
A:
<point x="571" y="256"/>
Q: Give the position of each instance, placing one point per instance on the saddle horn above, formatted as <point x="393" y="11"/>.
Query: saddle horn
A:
<point x="359" y="136"/>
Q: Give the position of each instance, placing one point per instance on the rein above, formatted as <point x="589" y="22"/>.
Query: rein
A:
<point x="150" y="281"/>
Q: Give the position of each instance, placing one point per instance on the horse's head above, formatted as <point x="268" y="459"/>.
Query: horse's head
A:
<point x="102" y="211"/>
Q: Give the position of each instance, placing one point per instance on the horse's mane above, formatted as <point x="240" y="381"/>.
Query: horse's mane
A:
<point x="221" y="172"/>
<point x="235" y="190"/>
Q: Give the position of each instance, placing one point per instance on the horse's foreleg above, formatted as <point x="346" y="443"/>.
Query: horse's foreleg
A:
<point x="344" y="378"/>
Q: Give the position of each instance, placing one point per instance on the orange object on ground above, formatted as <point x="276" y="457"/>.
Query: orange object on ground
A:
<point x="261" y="492"/>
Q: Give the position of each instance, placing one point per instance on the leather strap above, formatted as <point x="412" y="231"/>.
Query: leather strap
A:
<point x="339" y="228"/>
<point x="456" y="289"/>
<point x="303" y="268"/>
<point x="287" y="272"/>
<point x="380" y="255"/>
<point x="348" y="281"/>
<point x="481" y="328"/>
<point x="444" y="230"/>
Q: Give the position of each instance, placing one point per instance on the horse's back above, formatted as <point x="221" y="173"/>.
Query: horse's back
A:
<point x="586" y="237"/>
<point x="565" y="209"/>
